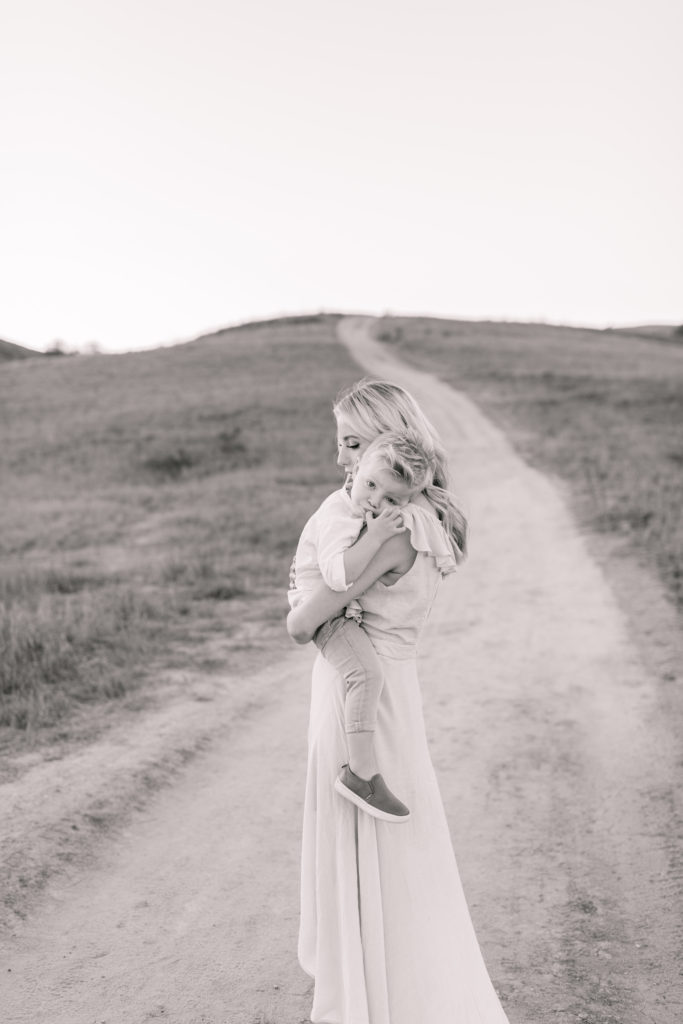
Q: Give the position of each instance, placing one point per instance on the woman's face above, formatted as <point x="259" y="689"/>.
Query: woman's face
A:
<point x="350" y="444"/>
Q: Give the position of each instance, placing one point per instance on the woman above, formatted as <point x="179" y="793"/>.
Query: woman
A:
<point x="385" y="930"/>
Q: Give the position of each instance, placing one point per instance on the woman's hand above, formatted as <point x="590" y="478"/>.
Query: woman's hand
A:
<point x="300" y="622"/>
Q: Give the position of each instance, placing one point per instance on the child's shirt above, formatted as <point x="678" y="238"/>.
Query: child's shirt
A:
<point x="320" y="552"/>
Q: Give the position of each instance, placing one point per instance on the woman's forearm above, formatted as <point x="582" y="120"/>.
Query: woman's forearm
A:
<point x="320" y="605"/>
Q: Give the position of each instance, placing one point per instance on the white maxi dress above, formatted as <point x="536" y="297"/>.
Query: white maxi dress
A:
<point x="385" y="930"/>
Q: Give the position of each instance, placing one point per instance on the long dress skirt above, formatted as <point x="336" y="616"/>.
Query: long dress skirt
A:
<point x="385" y="929"/>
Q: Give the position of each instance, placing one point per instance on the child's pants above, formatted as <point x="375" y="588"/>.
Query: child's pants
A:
<point x="348" y="648"/>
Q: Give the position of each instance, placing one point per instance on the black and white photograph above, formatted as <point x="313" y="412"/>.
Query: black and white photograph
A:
<point x="341" y="530"/>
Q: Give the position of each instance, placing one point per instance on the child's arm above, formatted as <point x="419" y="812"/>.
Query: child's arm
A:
<point x="389" y="523"/>
<point x="324" y="603"/>
<point x="337" y="531"/>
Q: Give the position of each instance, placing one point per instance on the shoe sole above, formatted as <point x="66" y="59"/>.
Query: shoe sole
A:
<point x="375" y="812"/>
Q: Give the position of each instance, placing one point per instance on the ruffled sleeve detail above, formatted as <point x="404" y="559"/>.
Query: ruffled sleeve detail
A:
<point x="428" y="535"/>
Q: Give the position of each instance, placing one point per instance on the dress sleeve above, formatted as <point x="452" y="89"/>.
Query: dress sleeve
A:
<point x="428" y="535"/>
<point x="337" y="534"/>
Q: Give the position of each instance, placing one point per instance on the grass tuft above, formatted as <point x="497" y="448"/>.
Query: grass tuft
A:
<point x="169" y="465"/>
<point x="54" y="646"/>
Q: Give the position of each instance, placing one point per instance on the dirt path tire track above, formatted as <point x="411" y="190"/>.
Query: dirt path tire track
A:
<point x="558" y="768"/>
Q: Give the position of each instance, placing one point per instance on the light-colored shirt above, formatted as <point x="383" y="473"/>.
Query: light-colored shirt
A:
<point x="320" y="552"/>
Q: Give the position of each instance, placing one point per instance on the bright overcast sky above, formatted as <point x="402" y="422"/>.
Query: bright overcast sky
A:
<point x="173" y="166"/>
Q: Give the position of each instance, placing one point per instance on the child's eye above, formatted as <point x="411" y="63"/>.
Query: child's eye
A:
<point x="369" y="483"/>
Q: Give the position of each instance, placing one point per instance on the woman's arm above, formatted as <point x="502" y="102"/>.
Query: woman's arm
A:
<point x="396" y="554"/>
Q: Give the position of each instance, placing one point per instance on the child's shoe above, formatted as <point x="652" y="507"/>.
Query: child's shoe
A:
<point x="372" y="795"/>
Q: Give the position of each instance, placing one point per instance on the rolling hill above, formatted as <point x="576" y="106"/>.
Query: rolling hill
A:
<point x="9" y="350"/>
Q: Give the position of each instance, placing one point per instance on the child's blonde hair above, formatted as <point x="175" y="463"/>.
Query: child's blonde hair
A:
<point x="379" y="407"/>
<point x="404" y="456"/>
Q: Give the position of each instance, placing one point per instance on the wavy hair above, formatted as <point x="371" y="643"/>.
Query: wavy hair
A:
<point x="380" y="407"/>
<point x="405" y="456"/>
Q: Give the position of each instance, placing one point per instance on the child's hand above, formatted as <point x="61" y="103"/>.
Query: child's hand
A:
<point x="387" y="524"/>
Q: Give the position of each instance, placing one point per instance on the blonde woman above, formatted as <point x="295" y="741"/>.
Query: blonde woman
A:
<point x="337" y="543"/>
<point x="385" y="930"/>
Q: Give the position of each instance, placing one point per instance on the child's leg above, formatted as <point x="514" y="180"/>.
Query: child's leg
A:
<point x="346" y="645"/>
<point x="349" y="649"/>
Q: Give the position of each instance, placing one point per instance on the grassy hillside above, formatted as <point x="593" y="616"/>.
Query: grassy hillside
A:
<point x="8" y="350"/>
<point x="603" y="410"/>
<point x="152" y="501"/>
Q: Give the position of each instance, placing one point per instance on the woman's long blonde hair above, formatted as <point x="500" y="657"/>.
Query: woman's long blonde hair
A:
<point x="379" y="407"/>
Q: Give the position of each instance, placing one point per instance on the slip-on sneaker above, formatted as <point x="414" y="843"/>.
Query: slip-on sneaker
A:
<point x="372" y="795"/>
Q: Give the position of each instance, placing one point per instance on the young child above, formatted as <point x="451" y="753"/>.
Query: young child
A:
<point x="336" y="545"/>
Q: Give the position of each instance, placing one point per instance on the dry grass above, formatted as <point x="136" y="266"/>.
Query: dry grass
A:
<point x="63" y="641"/>
<point x="150" y="501"/>
<point x="603" y="410"/>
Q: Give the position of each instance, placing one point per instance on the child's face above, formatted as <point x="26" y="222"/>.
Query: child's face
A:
<point x="350" y="445"/>
<point x="375" y="487"/>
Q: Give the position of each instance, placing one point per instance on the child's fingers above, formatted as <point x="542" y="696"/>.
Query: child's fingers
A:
<point x="389" y="521"/>
<point x="387" y="518"/>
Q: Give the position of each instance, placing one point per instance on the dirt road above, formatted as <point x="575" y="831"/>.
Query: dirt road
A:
<point x="560" y="770"/>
